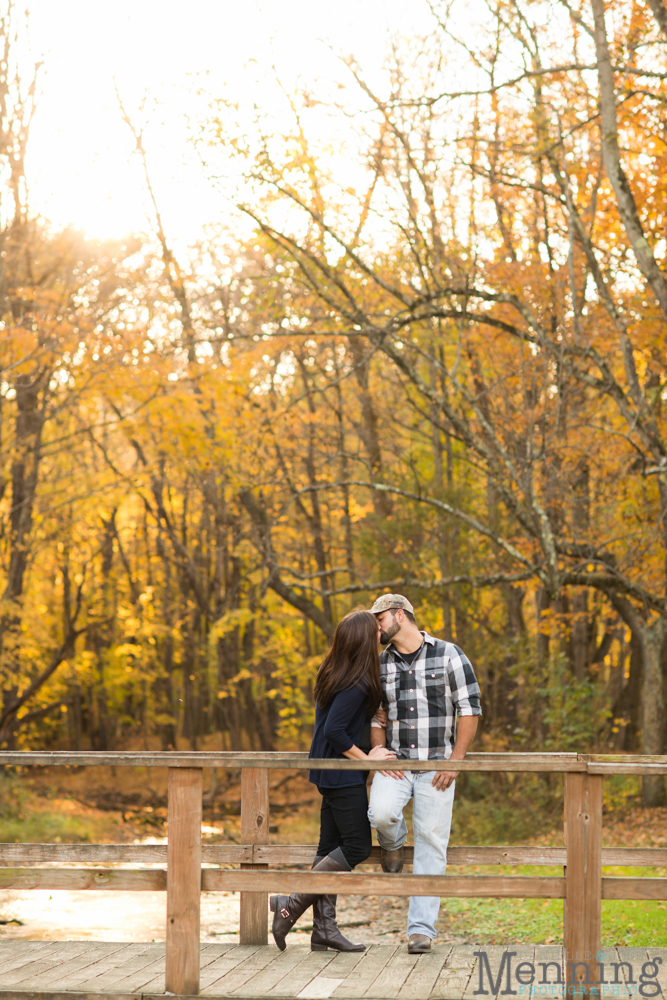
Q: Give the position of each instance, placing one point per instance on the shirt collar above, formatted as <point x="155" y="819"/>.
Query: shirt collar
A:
<point x="428" y="639"/>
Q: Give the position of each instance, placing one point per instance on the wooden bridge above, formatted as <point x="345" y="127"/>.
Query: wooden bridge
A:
<point x="254" y="968"/>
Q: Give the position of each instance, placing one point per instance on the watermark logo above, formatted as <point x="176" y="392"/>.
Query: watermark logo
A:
<point x="583" y="976"/>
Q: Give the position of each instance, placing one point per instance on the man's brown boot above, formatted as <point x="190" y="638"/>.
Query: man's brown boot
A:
<point x="392" y="861"/>
<point x="419" y="944"/>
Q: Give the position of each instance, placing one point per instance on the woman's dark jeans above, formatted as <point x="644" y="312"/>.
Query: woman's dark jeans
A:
<point x="344" y="823"/>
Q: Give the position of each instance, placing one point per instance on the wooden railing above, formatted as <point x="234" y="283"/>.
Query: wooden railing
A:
<point x="582" y="885"/>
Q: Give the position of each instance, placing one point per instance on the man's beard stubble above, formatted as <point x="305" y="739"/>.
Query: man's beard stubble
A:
<point x="388" y="635"/>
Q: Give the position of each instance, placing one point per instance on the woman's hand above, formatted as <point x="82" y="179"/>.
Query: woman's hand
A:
<point x="381" y="717"/>
<point x="381" y="753"/>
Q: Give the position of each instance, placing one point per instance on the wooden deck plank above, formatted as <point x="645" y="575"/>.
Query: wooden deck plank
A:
<point x="228" y="980"/>
<point x="455" y="976"/>
<point x="24" y="951"/>
<point x="388" y="983"/>
<point x="51" y="959"/>
<point x="543" y="955"/>
<point x="208" y="954"/>
<point x="139" y="981"/>
<point x="661" y="977"/>
<point x="264" y="980"/>
<point x="66" y="976"/>
<point x="206" y="957"/>
<point x="302" y="974"/>
<point x="366" y="972"/>
<point x="135" y="973"/>
<point x="495" y="955"/>
<point x="422" y="979"/>
<point x="344" y="963"/>
<point x="225" y="963"/>
<point x="333" y="976"/>
<point x="112" y="962"/>
<point x="119" y="967"/>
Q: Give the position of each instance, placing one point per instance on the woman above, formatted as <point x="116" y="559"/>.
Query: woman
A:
<point x="347" y="693"/>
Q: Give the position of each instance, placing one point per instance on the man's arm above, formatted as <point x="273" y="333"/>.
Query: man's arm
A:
<point x="378" y="736"/>
<point x="466" y="727"/>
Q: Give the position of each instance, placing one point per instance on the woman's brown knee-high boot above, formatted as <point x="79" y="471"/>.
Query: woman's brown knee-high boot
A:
<point x="287" y="909"/>
<point x="326" y="933"/>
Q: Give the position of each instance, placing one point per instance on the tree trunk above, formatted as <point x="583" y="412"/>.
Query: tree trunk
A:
<point x="652" y="637"/>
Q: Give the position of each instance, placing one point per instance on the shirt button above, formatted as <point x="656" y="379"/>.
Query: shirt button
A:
<point x="412" y="709"/>
<point x="412" y="746"/>
<point x="432" y="675"/>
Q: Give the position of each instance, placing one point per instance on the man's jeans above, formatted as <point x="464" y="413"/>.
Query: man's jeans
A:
<point x="432" y="819"/>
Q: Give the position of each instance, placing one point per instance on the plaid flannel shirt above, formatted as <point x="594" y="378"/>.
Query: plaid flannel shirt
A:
<point x="424" y="696"/>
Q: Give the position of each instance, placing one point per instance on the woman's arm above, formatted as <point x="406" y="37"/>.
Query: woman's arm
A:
<point x="377" y="753"/>
<point x="344" y="706"/>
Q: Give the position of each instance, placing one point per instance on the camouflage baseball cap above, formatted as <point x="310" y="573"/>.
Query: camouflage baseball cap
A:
<point x="388" y="601"/>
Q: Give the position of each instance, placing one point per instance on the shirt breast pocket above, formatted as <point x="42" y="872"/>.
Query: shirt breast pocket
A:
<point x="435" y="686"/>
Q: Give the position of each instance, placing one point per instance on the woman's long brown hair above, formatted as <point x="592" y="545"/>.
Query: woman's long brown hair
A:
<point x="353" y="659"/>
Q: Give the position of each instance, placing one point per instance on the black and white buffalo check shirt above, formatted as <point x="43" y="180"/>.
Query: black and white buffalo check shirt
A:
<point x="423" y="698"/>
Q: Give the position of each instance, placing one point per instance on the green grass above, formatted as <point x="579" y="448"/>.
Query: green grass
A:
<point x="540" y="921"/>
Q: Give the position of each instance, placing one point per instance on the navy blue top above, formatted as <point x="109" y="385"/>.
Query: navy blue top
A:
<point x="338" y="728"/>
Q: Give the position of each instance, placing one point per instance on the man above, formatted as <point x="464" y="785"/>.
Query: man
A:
<point x="426" y="682"/>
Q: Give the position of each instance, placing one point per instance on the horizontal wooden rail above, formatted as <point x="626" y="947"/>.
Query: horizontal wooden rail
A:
<point x="300" y="854"/>
<point x="509" y="762"/>
<point x="132" y="879"/>
<point x="353" y="883"/>
<point x="559" y="762"/>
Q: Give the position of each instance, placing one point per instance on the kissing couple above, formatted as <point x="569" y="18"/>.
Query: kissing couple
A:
<point x="423" y="699"/>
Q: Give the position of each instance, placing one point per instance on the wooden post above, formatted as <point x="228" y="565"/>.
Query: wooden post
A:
<point x="183" y="879"/>
<point x="254" y="830"/>
<point x="583" y="875"/>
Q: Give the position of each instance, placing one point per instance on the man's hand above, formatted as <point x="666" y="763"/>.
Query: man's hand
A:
<point x="443" y="779"/>
<point x="466" y="728"/>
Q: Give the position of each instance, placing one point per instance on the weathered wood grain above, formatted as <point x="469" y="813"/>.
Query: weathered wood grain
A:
<point x="134" y="958"/>
<point x="232" y="979"/>
<point x="234" y="957"/>
<point x="67" y="974"/>
<point x="455" y="976"/>
<point x="422" y="979"/>
<point x="254" y="922"/>
<point x="583" y="876"/>
<point x="367" y="883"/>
<point x="392" y="976"/>
<point x="302" y="854"/>
<point x="14" y="954"/>
<point x="513" y="762"/>
<point x="46" y="962"/>
<point x="134" y="880"/>
<point x="311" y="965"/>
<point x="12" y="994"/>
<point x="366" y="972"/>
<point x="265" y="979"/>
<point x="634" y="888"/>
<point x="183" y="879"/>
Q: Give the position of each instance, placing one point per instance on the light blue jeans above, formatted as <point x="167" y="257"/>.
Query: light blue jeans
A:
<point x="431" y="819"/>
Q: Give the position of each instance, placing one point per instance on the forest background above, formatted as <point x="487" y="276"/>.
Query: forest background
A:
<point x="421" y="350"/>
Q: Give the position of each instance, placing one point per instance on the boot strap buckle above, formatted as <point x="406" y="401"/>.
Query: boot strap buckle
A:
<point x="285" y="913"/>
